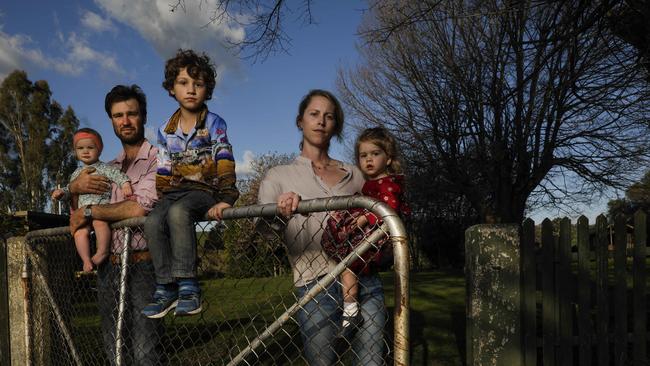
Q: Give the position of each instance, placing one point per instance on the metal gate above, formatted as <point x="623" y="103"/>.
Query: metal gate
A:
<point x="249" y="300"/>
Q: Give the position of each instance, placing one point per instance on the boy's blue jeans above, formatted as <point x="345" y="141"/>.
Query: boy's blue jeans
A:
<point x="320" y="319"/>
<point x="171" y="235"/>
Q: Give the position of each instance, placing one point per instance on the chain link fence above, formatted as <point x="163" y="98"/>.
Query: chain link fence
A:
<point x="250" y="303"/>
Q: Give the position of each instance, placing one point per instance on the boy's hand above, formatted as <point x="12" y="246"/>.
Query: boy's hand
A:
<point x="86" y="183"/>
<point x="216" y="211"/>
<point x="126" y="189"/>
<point x="57" y="194"/>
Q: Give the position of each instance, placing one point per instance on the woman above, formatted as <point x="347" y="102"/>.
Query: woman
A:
<point x="314" y="174"/>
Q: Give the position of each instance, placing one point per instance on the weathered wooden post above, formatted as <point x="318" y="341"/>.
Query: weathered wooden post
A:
<point x="5" y="349"/>
<point x="492" y="268"/>
<point x="19" y="308"/>
<point x="22" y="310"/>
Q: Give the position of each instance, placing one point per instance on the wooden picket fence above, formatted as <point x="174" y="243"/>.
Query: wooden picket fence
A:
<point x="584" y="301"/>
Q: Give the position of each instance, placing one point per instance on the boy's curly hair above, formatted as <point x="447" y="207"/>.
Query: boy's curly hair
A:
<point x="198" y="67"/>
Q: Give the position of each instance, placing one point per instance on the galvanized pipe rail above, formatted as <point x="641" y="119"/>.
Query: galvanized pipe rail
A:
<point x="124" y="262"/>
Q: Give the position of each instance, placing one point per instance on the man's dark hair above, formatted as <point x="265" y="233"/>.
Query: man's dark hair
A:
<point x="121" y="93"/>
<point x="198" y="67"/>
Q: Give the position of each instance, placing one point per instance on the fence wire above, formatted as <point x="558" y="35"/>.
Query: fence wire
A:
<point x="250" y="304"/>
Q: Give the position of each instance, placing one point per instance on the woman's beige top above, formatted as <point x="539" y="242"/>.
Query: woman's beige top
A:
<point x="302" y="234"/>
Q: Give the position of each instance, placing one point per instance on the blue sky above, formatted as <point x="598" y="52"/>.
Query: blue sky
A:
<point x="85" y="47"/>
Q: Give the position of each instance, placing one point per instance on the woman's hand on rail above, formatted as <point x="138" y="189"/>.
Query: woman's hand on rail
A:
<point x="288" y="203"/>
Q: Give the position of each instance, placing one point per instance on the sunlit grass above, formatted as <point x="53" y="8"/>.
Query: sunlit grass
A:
<point x="240" y="308"/>
<point x="437" y="322"/>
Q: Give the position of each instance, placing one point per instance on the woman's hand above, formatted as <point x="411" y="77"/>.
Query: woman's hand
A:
<point x="288" y="203"/>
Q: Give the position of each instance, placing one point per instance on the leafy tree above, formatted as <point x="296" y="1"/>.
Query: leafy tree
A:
<point x="36" y="137"/>
<point x="637" y="197"/>
<point x="259" y="166"/>
<point x="631" y="21"/>
<point x="507" y="104"/>
<point x="436" y="227"/>
<point x="242" y="251"/>
<point x="61" y="161"/>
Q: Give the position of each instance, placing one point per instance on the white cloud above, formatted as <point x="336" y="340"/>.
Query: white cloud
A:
<point x="95" y="22"/>
<point x="81" y="53"/>
<point x="10" y="54"/>
<point x="17" y="51"/>
<point x="186" y="27"/>
<point x="244" y="167"/>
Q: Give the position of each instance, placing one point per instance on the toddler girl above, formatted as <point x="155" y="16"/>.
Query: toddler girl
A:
<point x="87" y="148"/>
<point x="377" y="157"/>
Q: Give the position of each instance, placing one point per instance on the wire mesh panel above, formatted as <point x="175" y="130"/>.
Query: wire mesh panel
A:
<point x="258" y="308"/>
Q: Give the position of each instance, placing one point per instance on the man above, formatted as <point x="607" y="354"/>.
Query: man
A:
<point x="126" y="107"/>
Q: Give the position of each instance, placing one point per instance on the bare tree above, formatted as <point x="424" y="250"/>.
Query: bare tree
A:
<point x="506" y="101"/>
<point x="264" y="21"/>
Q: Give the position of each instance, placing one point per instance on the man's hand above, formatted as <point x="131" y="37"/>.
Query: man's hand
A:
<point x="86" y="183"/>
<point x="77" y="220"/>
<point x="216" y="211"/>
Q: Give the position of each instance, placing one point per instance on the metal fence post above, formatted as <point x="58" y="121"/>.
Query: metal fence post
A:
<point x="493" y="295"/>
<point x="124" y="260"/>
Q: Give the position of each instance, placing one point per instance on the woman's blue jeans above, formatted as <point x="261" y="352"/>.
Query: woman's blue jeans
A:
<point x="171" y="234"/>
<point x="320" y="319"/>
<point x="369" y="343"/>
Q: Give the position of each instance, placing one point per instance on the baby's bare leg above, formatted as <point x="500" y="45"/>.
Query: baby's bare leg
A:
<point x="350" y="285"/>
<point x="103" y="234"/>
<point x="82" y="243"/>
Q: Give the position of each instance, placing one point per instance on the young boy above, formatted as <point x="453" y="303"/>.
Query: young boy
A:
<point x="196" y="174"/>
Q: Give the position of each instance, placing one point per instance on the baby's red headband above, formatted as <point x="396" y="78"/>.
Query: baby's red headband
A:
<point x="85" y="135"/>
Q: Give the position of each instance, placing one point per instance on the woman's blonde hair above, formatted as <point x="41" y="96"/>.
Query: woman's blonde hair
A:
<point x="385" y="141"/>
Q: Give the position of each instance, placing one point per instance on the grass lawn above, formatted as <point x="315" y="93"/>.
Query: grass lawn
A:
<point x="237" y="309"/>
<point x="437" y="320"/>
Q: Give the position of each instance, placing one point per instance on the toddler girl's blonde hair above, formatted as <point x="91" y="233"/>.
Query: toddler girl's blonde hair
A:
<point x="385" y="141"/>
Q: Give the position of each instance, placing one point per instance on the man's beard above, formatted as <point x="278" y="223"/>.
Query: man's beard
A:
<point x="131" y="139"/>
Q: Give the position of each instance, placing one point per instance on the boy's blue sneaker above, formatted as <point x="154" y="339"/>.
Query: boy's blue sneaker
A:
<point x="163" y="301"/>
<point x="189" y="297"/>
